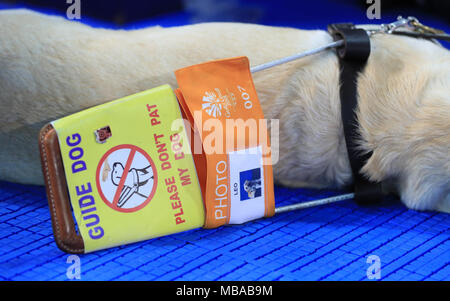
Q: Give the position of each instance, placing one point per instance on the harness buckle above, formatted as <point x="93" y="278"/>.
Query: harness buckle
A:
<point x="356" y="41"/>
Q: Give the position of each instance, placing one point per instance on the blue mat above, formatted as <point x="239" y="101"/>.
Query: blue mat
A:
<point x="330" y="242"/>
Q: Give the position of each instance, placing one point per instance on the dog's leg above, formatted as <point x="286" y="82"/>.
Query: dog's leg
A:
<point x="404" y="117"/>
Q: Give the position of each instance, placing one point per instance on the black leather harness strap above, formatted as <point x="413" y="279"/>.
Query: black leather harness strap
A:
<point x="353" y="57"/>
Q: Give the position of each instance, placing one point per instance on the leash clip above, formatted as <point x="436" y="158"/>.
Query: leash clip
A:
<point x="411" y="22"/>
<point x="391" y="27"/>
<point x="401" y="22"/>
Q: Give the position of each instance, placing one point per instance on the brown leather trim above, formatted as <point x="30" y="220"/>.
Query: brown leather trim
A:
<point x="64" y="231"/>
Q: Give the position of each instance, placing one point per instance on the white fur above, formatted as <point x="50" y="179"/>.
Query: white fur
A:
<point x="51" y="67"/>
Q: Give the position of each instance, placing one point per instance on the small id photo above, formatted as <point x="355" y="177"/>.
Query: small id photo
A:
<point x="250" y="184"/>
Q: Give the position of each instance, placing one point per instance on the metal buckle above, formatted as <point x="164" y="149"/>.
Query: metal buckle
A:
<point x="411" y="22"/>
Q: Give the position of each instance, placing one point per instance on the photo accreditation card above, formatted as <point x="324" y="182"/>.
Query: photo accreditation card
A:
<point x="220" y="100"/>
<point x="247" y="197"/>
<point x="129" y="170"/>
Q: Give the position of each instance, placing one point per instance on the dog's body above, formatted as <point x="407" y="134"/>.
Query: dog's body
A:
<point x="50" y="67"/>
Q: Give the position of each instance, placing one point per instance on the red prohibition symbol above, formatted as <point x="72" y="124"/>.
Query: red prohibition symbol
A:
<point x="126" y="178"/>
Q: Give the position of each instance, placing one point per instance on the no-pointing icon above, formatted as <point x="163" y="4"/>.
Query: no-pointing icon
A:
<point x="126" y="178"/>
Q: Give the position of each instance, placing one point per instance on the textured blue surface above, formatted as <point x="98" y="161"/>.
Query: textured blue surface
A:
<point x="324" y="243"/>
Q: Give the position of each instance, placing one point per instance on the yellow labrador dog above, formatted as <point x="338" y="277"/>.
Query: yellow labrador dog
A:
<point x="51" y="67"/>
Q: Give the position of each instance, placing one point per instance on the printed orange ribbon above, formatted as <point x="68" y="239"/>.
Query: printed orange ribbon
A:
<point x="219" y="100"/>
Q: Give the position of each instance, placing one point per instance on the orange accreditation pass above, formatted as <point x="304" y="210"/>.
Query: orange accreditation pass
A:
<point x="234" y="167"/>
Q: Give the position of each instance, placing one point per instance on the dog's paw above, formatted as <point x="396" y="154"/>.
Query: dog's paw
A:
<point x="444" y="206"/>
<point x="424" y="191"/>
